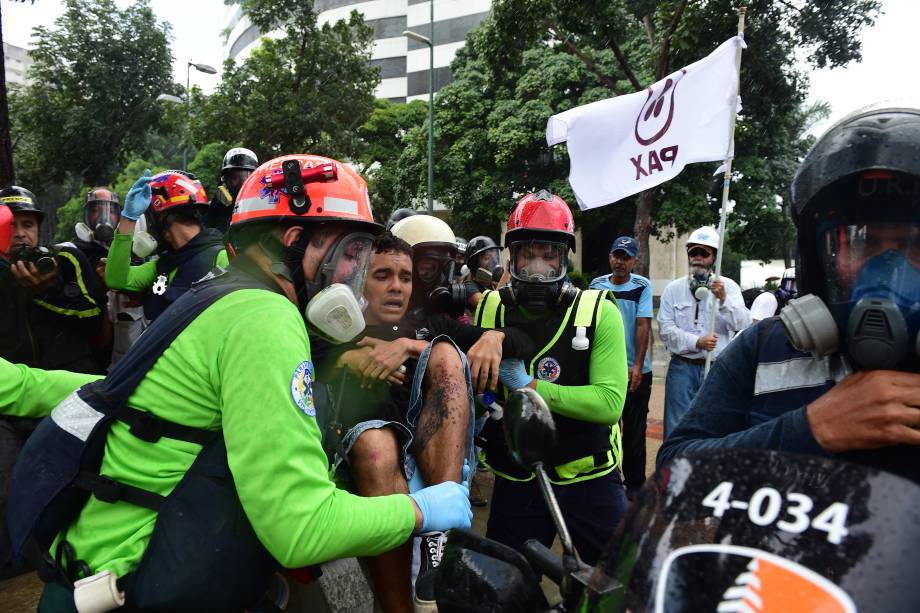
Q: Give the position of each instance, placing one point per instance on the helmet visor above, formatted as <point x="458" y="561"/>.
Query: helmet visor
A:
<point x="872" y="260"/>
<point x="490" y="259"/>
<point x="538" y="261"/>
<point x="101" y="212"/>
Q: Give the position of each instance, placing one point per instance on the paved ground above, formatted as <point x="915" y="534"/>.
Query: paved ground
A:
<point x="20" y="595"/>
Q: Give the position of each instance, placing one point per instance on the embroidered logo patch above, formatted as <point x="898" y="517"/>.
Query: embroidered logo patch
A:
<point x="548" y="369"/>
<point x="302" y="388"/>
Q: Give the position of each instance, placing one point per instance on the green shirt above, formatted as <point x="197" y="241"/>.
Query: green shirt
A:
<point x="233" y="368"/>
<point x="32" y="392"/>
<point x="601" y="401"/>
<point x="121" y="275"/>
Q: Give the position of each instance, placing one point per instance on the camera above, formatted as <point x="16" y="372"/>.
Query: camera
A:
<point x="42" y="257"/>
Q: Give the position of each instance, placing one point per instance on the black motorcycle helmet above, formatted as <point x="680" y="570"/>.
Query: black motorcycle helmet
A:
<point x="239" y="158"/>
<point x="397" y="216"/>
<point x="21" y="200"/>
<point x="476" y="246"/>
<point x="856" y="205"/>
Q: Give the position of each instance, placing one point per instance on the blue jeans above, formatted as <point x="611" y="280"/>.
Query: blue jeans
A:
<point x="680" y="387"/>
<point x="405" y="435"/>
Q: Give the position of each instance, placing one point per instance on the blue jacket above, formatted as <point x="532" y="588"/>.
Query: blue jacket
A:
<point x="755" y="397"/>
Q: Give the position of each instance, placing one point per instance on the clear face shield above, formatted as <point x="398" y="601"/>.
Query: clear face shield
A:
<point x="433" y="267"/>
<point x="336" y="311"/>
<point x="872" y="277"/>
<point x="538" y="261"/>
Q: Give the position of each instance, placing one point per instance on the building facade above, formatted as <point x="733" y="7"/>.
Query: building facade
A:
<point x="403" y="63"/>
<point x="16" y="64"/>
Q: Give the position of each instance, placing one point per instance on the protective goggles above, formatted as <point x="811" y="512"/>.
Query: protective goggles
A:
<point x="538" y="261"/>
<point x="101" y="212"/>
<point x="433" y="268"/>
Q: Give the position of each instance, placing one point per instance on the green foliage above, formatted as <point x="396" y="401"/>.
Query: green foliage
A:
<point x="94" y="83"/>
<point x="69" y="215"/>
<point x="535" y="58"/>
<point x="306" y="92"/>
<point x="131" y="172"/>
<point x="579" y="279"/>
<point x="207" y="163"/>
<point x="383" y="138"/>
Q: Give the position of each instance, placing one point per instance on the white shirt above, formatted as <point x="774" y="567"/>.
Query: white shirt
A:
<point x="764" y="306"/>
<point x="682" y="319"/>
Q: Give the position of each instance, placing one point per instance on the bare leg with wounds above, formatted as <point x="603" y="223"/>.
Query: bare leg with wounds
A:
<point x="377" y="471"/>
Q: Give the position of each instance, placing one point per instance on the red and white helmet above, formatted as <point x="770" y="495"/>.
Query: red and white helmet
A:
<point x="541" y="216"/>
<point x="304" y="188"/>
<point x="175" y="189"/>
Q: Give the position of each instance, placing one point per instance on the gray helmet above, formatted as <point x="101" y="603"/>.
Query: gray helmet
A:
<point x="841" y="175"/>
<point x="241" y="158"/>
<point x="397" y="216"/>
<point x="21" y="200"/>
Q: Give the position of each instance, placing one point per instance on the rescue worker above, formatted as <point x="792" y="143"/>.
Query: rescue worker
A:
<point x="49" y="312"/>
<point x="238" y="164"/>
<point x="838" y="372"/>
<point x="173" y="203"/>
<point x="196" y="428"/>
<point x="578" y="368"/>
<point x="768" y="304"/>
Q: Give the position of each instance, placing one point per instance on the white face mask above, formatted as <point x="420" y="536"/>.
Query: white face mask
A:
<point x="335" y="313"/>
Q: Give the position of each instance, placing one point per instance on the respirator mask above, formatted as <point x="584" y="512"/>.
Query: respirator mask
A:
<point x="99" y="221"/>
<point x="700" y="282"/>
<point x="538" y="276"/>
<point x="433" y="284"/>
<point x="333" y="304"/>
<point x="872" y="306"/>
<point x="488" y="268"/>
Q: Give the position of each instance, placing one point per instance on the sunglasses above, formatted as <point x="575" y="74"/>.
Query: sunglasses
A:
<point x="699" y="252"/>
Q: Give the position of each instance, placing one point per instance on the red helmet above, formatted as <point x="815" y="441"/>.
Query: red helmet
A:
<point x="6" y="228"/>
<point x="541" y="216"/>
<point x="304" y="188"/>
<point x="174" y="189"/>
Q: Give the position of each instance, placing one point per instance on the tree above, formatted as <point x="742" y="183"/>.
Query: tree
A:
<point x="307" y="91"/>
<point x="92" y="97"/>
<point x="7" y="172"/>
<point x="535" y="58"/>
<point x="382" y="140"/>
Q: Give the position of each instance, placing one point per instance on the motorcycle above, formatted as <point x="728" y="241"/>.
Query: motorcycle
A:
<point x="725" y="530"/>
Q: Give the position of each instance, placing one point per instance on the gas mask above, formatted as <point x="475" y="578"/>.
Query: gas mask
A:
<point x="878" y="315"/>
<point x="433" y="284"/>
<point x="99" y="221"/>
<point x="700" y="282"/>
<point x="538" y="276"/>
<point x="333" y="304"/>
<point x="488" y="268"/>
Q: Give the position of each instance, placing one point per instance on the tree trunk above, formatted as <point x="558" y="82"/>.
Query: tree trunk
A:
<point x="642" y="229"/>
<point x="7" y="174"/>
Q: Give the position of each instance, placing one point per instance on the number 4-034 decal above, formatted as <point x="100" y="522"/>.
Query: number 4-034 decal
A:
<point x="766" y="504"/>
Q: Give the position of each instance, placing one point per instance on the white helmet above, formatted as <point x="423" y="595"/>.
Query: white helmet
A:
<point x="425" y="231"/>
<point x="706" y="236"/>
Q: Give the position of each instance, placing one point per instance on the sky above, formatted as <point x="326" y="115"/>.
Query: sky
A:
<point x="881" y="75"/>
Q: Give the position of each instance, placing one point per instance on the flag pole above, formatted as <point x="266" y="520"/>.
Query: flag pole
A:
<point x="726" y="181"/>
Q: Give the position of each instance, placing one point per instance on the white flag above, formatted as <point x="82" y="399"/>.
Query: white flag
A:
<point x="621" y="146"/>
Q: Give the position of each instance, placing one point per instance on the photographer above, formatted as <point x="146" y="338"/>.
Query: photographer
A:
<point x="683" y="322"/>
<point x="48" y="314"/>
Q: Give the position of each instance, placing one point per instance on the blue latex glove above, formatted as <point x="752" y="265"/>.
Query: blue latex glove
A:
<point x="416" y="483"/>
<point x="446" y="505"/>
<point x="513" y="374"/>
<point x="138" y="198"/>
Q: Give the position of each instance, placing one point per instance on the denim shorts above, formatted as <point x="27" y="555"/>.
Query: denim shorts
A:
<point x="405" y="432"/>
